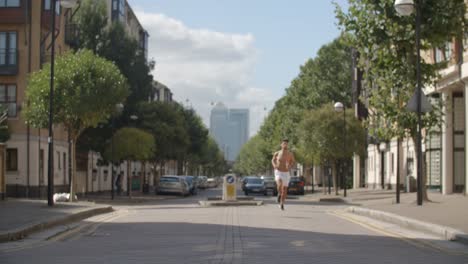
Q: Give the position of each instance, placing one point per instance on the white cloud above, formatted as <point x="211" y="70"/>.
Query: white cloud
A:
<point x="206" y="66"/>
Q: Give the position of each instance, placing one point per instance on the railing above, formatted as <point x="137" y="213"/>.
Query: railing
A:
<point x="9" y="61"/>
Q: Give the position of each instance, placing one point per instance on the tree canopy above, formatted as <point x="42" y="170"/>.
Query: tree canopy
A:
<point x="130" y="144"/>
<point x="87" y="88"/>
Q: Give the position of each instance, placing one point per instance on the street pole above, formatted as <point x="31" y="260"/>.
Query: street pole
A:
<point x="344" y="148"/>
<point x="398" y="172"/>
<point x="50" y="164"/>
<point x="418" y="94"/>
<point x="112" y="161"/>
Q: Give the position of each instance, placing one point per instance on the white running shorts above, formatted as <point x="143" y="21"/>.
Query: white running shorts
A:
<point x="284" y="176"/>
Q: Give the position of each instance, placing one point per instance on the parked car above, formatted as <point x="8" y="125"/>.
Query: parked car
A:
<point x="201" y="182"/>
<point x="255" y="185"/>
<point x="296" y="185"/>
<point x="211" y="183"/>
<point x="191" y="184"/>
<point x="173" y="184"/>
<point x="270" y="185"/>
<point x="245" y="179"/>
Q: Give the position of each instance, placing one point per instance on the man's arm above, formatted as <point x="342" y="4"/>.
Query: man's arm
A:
<point x="273" y="160"/>
<point x="292" y="160"/>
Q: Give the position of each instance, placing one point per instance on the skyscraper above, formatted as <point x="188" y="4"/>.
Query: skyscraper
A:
<point x="230" y="129"/>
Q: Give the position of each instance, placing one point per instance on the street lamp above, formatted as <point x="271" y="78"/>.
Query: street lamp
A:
<point x="50" y="140"/>
<point x="339" y="107"/>
<point x="406" y="8"/>
<point x="118" y="108"/>
<point x="129" y="177"/>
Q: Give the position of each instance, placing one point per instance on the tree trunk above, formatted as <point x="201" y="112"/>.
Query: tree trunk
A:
<point x="180" y="167"/>
<point x="129" y="179"/>
<point x="334" y="178"/>
<point x="143" y="176"/>
<point x="324" y="179"/>
<point x="423" y="174"/>
<point x="73" y="170"/>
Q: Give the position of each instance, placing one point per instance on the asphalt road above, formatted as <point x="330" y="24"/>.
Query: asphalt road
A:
<point x="180" y="231"/>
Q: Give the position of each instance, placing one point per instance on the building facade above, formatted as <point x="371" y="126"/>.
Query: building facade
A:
<point x="230" y="129"/>
<point x="25" y="46"/>
<point x="444" y="155"/>
<point x="160" y="93"/>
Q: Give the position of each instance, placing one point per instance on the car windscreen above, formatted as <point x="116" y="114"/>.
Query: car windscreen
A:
<point x="255" y="181"/>
<point x="169" y="179"/>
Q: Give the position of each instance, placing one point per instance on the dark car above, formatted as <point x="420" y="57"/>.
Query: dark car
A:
<point x="192" y="184"/>
<point x="255" y="185"/>
<point x="244" y="181"/>
<point x="270" y="185"/>
<point x="296" y="185"/>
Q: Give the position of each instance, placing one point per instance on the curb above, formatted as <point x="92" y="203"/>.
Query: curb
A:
<point x="227" y="203"/>
<point x="22" y="232"/>
<point x="444" y="232"/>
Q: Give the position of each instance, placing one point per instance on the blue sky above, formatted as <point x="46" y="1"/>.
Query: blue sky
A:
<point x="242" y="52"/>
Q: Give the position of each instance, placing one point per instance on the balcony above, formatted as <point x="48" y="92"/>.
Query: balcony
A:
<point x="9" y="61"/>
<point x="13" y="15"/>
<point x="72" y="33"/>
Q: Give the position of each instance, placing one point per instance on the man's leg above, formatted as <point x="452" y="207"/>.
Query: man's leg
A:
<point x="284" y="193"/>
<point x="279" y="187"/>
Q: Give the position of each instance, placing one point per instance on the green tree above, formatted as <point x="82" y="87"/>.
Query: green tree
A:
<point x="166" y="123"/>
<point x="4" y="131"/>
<point x="87" y="88"/>
<point x="321" y="80"/>
<point x="122" y="49"/>
<point x="91" y="19"/>
<point x="386" y="43"/>
<point x="198" y="138"/>
<point x="254" y="157"/>
<point x="211" y="158"/>
<point x="322" y="137"/>
<point x="130" y="144"/>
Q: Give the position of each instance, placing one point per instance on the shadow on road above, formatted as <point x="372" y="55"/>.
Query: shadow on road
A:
<point x="181" y="242"/>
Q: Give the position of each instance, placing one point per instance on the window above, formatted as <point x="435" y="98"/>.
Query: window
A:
<point x="58" y="161"/>
<point x="444" y="53"/>
<point x="8" y="97"/>
<point x="47" y="6"/>
<point x="12" y="159"/>
<point x="9" y="3"/>
<point x="8" y="47"/>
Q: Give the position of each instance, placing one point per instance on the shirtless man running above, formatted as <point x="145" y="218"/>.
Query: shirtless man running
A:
<point x="282" y="162"/>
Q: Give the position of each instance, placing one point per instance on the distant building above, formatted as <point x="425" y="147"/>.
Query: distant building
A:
<point x="230" y="129"/>
<point x="160" y="93"/>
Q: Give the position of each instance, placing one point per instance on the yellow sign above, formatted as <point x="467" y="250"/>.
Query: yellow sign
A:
<point x="231" y="191"/>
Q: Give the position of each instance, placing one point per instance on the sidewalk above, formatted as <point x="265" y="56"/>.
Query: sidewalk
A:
<point x="123" y="199"/>
<point x="21" y="217"/>
<point x="444" y="210"/>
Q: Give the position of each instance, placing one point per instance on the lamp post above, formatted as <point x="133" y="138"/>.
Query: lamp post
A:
<point x="339" y="107"/>
<point x="118" y="109"/>
<point x="406" y="8"/>
<point x="50" y="139"/>
<point x="129" y="176"/>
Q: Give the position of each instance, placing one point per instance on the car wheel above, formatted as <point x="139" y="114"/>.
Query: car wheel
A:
<point x="246" y="193"/>
<point x="265" y="193"/>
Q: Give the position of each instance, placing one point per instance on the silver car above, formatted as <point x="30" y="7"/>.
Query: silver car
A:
<point x="173" y="184"/>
